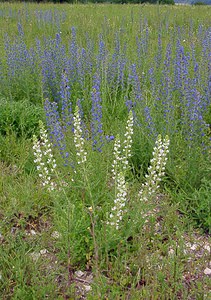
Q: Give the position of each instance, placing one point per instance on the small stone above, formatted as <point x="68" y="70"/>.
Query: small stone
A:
<point x="87" y="288"/>
<point x="207" y="271"/>
<point x="32" y="232"/>
<point x="79" y="273"/>
<point x="193" y="247"/>
<point x="43" y="251"/>
<point x="207" y="247"/>
<point x="188" y="245"/>
<point x="35" y="256"/>
<point x="171" y="252"/>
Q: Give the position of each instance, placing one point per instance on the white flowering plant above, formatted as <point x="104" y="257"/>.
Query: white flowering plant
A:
<point x="119" y="168"/>
<point x="44" y="159"/>
<point x="78" y="138"/>
<point x="156" y="170"/>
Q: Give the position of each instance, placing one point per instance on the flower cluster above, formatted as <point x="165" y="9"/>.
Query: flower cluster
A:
<point x="178" y="80"/>
<point x="78" y="137"/>
<point x="117" y="157"/>
<point x="46" y="164"/>
<point x="56" y="129"/>
<point x="66" y="105"/>
<point x="120" y="201"/>
<point x="156" y="169"/>
<point x="128" y="141"/>
<point x="119" y="167"/>
<point x="120" y="162"/>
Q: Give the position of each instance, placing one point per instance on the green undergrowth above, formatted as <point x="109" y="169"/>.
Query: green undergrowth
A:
<point x="48" y="236"/>
<point x="140" y="261"/>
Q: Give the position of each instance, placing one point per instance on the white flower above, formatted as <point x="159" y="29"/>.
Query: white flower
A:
<point x="120" y="201"/>
<point x="119" y="168"/>
<point x="78" y="138"/>
<point x="127" y="144"/>
<point x="156" y="169"/>
<point x="43" y="157"/>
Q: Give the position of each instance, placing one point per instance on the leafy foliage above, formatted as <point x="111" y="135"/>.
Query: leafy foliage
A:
<point x="21" y="117"/>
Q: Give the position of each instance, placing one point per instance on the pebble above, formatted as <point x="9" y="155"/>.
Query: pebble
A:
<point x="193" y="247"/>
<point x="35" y="255"/>
<point x="87" y="288"/>
<point x="207" y="271"/>
<point x="43" y="251"/>
<point x="207" y="247"/>
<point x="171" y="251"/>
<point x="79" y="273"/>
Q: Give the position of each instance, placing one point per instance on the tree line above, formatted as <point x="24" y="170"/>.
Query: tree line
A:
<point x="98" y="1"/>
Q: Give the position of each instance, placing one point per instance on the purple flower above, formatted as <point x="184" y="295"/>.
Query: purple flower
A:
<point x="96" y="122"/>
<point x="102" y="53"/>
<point x="150" y="124"/>
<point x="66" y="105"/>
<point x="110" y="138"/>
<point x="116" y="68"/>
<point x="134" y="80"/>
<point x="53" y="62"/>
<point x="55" y="129"/>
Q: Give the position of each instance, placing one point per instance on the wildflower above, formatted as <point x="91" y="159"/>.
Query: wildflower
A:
<point x="120" y="202"/>
<point x="109" y="138"/>
<point x="149" y="121"/>
<point x="90" y="209"/>
<point x="156" y="169"/>
<point x="66" y="106"/>
<point x="117" y="157"/>
<point x="56" y="130"/>
<point x="46" y="164"/>
<point x="127" y="144"/>
<point x="119" y="167"/>
<point x="78" y="138"/>
<point x="134" y="80"/>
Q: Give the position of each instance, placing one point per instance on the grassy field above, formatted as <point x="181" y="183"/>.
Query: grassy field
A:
<point x="105" y="156"/>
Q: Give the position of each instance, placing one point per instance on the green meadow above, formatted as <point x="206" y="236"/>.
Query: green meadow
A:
<point x="105" y="151"/>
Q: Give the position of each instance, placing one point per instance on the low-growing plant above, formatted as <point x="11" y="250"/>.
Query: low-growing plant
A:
<point x="20" y="118"/>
